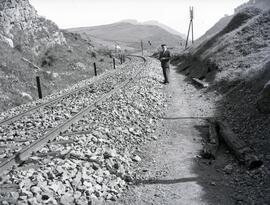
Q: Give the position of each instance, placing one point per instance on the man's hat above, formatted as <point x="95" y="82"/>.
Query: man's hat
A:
<point x="162" y="45"/>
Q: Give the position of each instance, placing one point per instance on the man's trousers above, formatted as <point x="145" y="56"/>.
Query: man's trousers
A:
<point x="166" y="73"/>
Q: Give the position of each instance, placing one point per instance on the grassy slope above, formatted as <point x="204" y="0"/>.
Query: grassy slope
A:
<point x="78" y="51"/>
<point x="17" y="76"/>
<point x="246" y="49"/>
<point x="239" y="49"/>
<point x="64" y="60"/>
<point x="221" y="24"/>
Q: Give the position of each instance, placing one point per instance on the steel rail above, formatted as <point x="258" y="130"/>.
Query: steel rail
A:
<point x="23" y="154"/>
<point x="20" y="115"/>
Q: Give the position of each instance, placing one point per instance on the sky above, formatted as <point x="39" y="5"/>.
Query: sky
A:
<point x="173" y="13"/>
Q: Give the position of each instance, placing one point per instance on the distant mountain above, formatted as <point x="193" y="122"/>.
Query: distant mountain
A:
<point x="130" y="34"/>
<point x="133" y="21"/>
<point x="167" y="28"/>
<point x="155" y="23"/>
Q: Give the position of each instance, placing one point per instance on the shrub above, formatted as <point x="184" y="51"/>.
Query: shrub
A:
<point x="48" y="61"/>
<point x="18" y="47"/>
<point x="93" y="54"/>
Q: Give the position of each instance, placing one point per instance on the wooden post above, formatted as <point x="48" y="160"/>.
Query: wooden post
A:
<point x="121" y="59"/>
<point x="39" y="87"/>
<point x="192" y="17"/>
<point x="241" y="150"/>
<point x="95" y="69"/>
<point x="188" y="34"/>
<point x="192" y="40"/>
<point x="142" y="46"/>
<point x="113" y="63"/>
<point x="211" y="146"/>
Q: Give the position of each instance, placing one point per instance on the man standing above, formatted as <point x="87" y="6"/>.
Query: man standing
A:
<point x="164" y="58"/>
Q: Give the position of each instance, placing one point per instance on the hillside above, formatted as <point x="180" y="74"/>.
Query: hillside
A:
<point x="223" y="22"/>
<point x="22" y="28"/>
<point x="129" y="35"/>
<point x="64" y="58"/>
<point x="261" y="4"/>
<point x="235" y="62"/>
<point x="215" y="29"/>
<point x="235" y="51"/>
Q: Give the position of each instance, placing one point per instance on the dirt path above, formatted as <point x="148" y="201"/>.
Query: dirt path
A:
<point x="171" y="171"/>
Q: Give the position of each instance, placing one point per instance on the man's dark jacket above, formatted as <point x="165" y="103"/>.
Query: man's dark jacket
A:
<point x="166" y="62"/>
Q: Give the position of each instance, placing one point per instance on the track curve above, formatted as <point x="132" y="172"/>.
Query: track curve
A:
<point x="21" y="155"/>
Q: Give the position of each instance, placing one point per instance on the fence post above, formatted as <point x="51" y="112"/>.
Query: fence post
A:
<point x="95" y="69"/>
<point x="113" y="63"/>
<point x="39" y="87"/>
<point x="142" y="46"/>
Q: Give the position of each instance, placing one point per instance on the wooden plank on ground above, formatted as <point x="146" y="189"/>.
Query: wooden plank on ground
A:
<point x="200" y="82"/>
<point x="241" y="150"/>
<point x="210" y="148"/>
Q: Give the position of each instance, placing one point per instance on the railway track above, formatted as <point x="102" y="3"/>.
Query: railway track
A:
<point x="27" y="132"/>
<point x="54" y="100"/>
<point x="26" y="109"/>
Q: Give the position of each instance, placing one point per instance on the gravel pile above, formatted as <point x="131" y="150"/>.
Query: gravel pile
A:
<point x="22" y="132"/>
<point x="22" y="108"/>
<point x="97" y="165"/>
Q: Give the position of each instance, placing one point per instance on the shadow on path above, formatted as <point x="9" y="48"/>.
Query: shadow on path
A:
<point x="166" y="181"/>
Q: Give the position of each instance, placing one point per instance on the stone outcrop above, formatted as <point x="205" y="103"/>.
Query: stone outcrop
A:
<point x="261" y="4"/>
<point x="21" y="27"/>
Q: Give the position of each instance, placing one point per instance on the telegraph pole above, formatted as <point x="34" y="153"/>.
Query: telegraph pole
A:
<point x="191" y="10"/>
